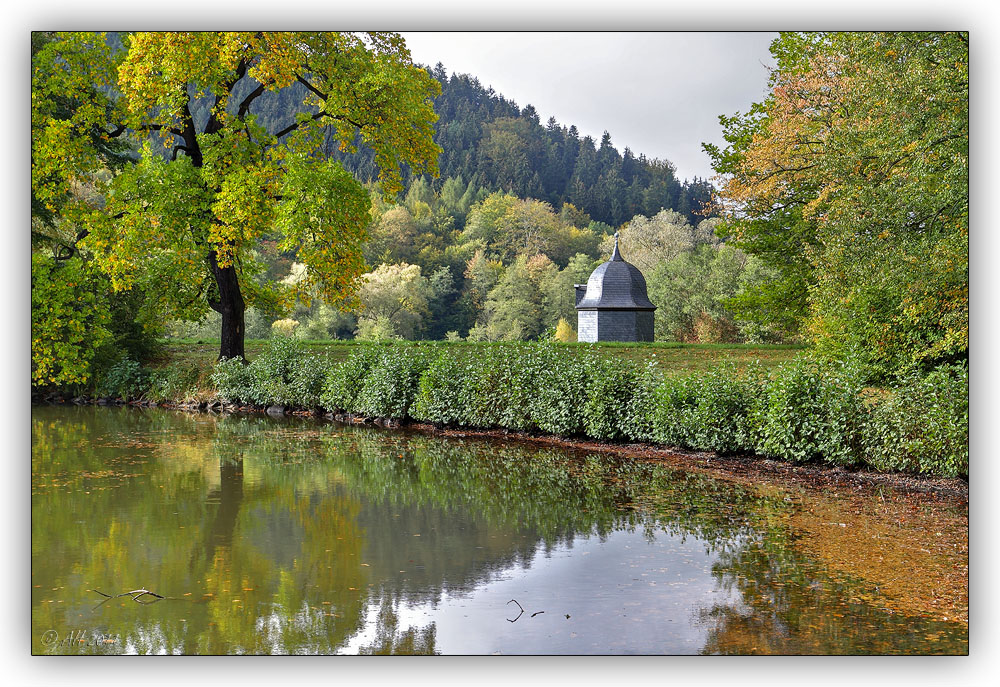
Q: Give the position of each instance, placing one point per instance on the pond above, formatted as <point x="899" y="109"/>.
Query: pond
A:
<point x="299" y="536"/>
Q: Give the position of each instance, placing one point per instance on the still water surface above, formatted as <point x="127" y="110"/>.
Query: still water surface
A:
<point x="298" y="537"/>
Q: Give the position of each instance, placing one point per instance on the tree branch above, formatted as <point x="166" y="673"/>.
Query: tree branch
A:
<point x="241" y="71"/>
<point x="135" y="594"/>
<point x="318" y="115"/>
<point x="70" y="250"/>
<point x="60" y="255"/>
<point x="190" y="136"/>
<point x="245" y="105"/>
<point x="323" y="96"/>
<point x="177" y="149"/>
<point x="201" y="291"/>
<point x="312" y="88"/>
<point x="157" y="127"/>
<point x="289" y="129"/>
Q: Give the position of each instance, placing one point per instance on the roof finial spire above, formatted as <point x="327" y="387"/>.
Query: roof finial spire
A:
<point x="616" y="255"/>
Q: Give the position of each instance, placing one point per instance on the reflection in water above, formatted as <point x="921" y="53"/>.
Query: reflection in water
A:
<point x="227" y="497"/>
<point x="305" y="537"/>
<point x="792" y="609"/>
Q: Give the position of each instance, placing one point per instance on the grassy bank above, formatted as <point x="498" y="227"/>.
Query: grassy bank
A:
<point x="670" y="358"/>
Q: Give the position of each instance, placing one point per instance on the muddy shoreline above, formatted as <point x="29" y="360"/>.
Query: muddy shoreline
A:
<point x="740" y="466"/>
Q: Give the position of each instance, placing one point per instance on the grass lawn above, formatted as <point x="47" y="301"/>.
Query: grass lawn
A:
<point x="673" y="358"/>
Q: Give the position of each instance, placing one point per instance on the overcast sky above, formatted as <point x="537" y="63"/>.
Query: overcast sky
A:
<point x="657" y="93"/>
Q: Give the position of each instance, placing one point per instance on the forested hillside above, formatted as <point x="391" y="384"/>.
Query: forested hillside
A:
<point x="488" y="140"/>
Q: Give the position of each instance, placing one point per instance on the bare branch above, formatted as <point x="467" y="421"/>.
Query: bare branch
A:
<point x="519" y="614"/>
<point x="135" y="594"/>
<point x="66" y="251"/>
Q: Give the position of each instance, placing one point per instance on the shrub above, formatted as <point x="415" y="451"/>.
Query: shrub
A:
<point x="442" y="394"/>
<point x="174" y="382"/>
<point x="306" y="381"/>
<point x="492" y="386"/>
<point x="285" y="327"/>
<point x="619" y="395"/>
<point x="344" y="381"/>
<point x="638" y="421"/>
<point x="232" y="379"/>
<point x="674" y="401"/>
<point x="272" y="370"/>
<point x="124" y="379"/>
<point x="558" y="403"/>
<point x="391" y="384"/>
<point x="810" y="411"/>
<point x="709" y="412"/>
<point x="564" y="331"/>
<point x="720" y="419"/>
<point x="805" y="411"/>
<point x="483" y="382"/>
<point x="923" y="425"/>
<point x="499" y="383"/>
<point x="282" y="374"/>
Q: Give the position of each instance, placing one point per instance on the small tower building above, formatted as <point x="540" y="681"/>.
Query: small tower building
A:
<point x="612" y="305"/>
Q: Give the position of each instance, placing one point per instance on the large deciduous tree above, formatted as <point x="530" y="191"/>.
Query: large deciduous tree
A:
<point x="183" y="221"/>
<point x="851" y="180"/>
<point x="397" y="295"/>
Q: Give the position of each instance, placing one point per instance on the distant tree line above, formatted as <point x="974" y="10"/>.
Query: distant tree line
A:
<point x="466" y="264"/>
<point x="487" y="140"/>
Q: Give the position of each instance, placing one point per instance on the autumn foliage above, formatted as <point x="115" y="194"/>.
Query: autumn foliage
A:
<point x="851" y="178"/>
<point x="184" y="221"/>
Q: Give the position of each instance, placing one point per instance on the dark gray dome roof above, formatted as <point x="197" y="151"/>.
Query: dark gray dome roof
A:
<point x="616" y="284"/>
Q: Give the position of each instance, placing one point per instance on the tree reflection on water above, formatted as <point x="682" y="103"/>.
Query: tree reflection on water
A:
<point x="306" y="537"/>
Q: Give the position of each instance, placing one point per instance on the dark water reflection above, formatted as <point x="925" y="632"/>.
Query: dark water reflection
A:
<point x="307" y="537"/>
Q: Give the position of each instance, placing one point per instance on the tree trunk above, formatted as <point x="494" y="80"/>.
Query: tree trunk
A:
<point x="230" y="303"/>
<point x="231" y="306"/>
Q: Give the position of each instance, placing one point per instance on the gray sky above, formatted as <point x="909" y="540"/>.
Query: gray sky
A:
<point x="657" y="93"/>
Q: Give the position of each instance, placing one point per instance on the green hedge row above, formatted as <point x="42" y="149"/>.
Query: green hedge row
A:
<point x="801" y="411"/>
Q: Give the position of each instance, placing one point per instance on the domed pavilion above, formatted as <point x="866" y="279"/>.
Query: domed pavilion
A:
<point x="612" y="305"/>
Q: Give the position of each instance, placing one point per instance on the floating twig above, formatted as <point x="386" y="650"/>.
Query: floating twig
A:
<point x="519" y="614"/>
<point x="135" y="595"/>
